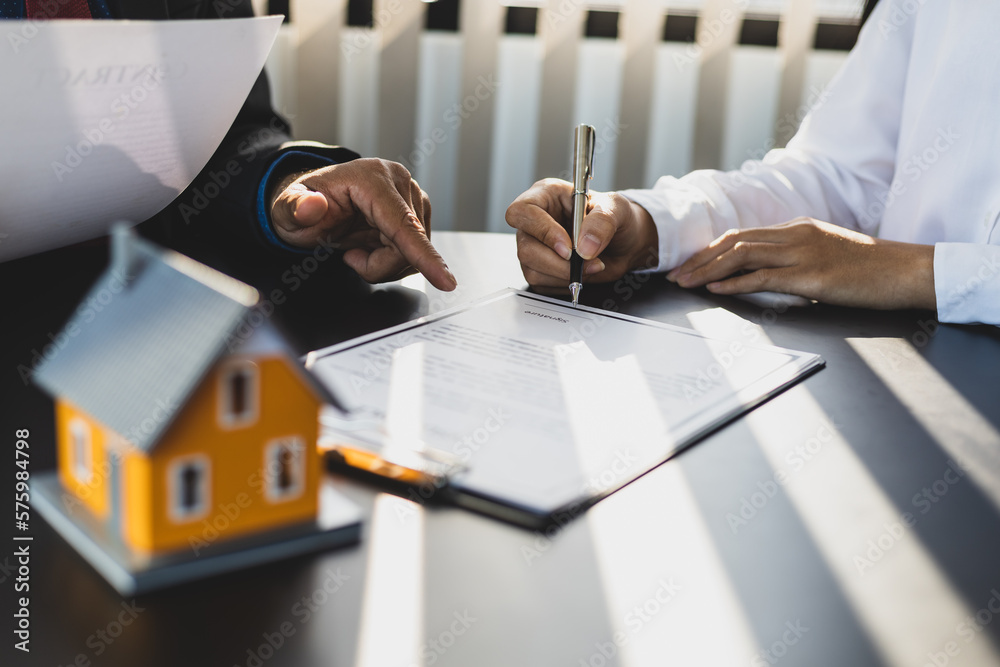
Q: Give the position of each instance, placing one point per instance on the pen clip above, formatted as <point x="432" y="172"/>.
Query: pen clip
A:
<point x="584" y="141"/>
<point x="591" y="144"/>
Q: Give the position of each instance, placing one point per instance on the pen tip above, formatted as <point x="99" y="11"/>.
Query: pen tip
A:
<point x="574" y="289"/>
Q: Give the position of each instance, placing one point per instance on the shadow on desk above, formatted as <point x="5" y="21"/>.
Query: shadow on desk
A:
<point x="909" y="398"/>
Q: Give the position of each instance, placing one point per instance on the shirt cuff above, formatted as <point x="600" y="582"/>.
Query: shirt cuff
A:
<point x="286" y="163"/>
<point x="679" y="211"/>
<point x="967" y="283"/>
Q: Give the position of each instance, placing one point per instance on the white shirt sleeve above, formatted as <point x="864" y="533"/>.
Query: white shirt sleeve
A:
<point x="967" y="283"/>
<point x="834" y="169"/>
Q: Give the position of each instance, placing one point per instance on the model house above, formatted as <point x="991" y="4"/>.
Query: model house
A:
<point x="182" y="416"/>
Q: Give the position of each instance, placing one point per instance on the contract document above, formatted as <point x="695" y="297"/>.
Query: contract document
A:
<point x="546" y="407"/>
<point x="110" y="120"/>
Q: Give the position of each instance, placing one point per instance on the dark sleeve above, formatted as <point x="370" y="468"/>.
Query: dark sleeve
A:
<point x="220" y="213"/>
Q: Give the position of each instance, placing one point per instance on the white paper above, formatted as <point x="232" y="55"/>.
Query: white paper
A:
<point x="110" y="120"/>
<point x="547" y="403"/>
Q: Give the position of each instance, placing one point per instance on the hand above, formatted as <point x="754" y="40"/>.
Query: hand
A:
<point x="816" y="260"/>
<point x="372" y="210"/>
<point x="617" y="236"/>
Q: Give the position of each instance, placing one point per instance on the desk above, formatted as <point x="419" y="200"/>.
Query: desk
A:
<point x="868" y="547"/>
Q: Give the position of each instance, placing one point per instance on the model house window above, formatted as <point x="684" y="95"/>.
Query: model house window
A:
<point x="285" y="468"/>
<point x="189" y="488"/>
<point x="239" y="389"/>
<point x="83" y="450"/>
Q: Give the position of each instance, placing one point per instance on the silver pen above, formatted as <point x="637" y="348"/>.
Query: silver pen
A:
<point x="583" y="170"/>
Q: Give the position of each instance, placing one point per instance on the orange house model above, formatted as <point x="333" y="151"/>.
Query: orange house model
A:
<point x="183" y="422"/>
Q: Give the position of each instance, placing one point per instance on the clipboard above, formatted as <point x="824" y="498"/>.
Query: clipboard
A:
<point x="523" y="408"/>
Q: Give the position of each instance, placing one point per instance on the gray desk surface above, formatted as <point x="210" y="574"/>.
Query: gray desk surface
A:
<point x="868" y="549"/>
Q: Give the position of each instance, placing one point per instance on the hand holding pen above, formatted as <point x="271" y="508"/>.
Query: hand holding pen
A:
<point x="612" y="234"/>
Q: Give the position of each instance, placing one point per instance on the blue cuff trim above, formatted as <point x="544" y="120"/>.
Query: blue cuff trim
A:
<point x="263" y="217"/>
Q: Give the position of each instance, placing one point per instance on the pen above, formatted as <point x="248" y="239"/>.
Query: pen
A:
<point x="583" y="170"/>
